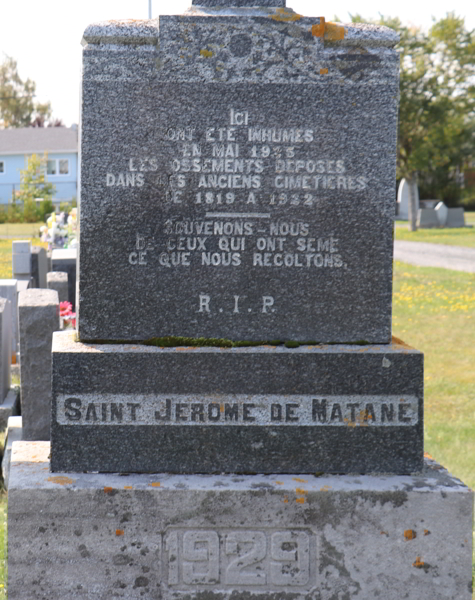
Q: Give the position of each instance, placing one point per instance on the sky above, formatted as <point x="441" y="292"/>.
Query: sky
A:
<point x="44" y="37"/>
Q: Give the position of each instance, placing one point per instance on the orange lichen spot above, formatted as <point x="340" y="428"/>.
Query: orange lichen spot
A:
<point x="206" y="53"/>
<point x="155" y="484"/>
<point x="128" y="487"/>
<point x="319" y="30"/>
<point x="301" y="491"/>
<point x="410" y="534"/>
<point x="300" y="480"/>
<point x="427" y="455"/>
<point x="108" y="490"/>
<point x="334" y="32"/>
<point x="286" y="500"/>
<point x="13" y="358"/>
<point x="221" y="408"/>
<point x="419" y="564"/>
<point x="279" y="483"/>
<point x="329" y="31"/>
<point x="384" y="533"/>
<point x="61" y="480"/>
<point x="426" y="532"/>
<point x="119" y="532"/>
<point x="325" y="488"/>
<point x="300" y="500"/>
<point x="285" y="15"/>
<point x="323" y="71"/>
<point x="397" y="342"/>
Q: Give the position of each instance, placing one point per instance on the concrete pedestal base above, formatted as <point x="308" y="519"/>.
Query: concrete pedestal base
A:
<point x="209" y="537"/>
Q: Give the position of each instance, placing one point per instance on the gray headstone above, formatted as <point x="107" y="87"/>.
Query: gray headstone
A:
<point x="442" y="212"/>
<point x="427" y="218"/>
<point x="211" y="410"/>
<point x="13" y="434"/>
<point x="64" y="261"/>
<point x="240" y="183"/>
<point x="8" y="290"/>
<point x="221" y="536"/>
<point x="21" y="260"/>
<point x="5" y="347"/>
<point x="39" y="266"/>
<point x="58" y="281"/>
<point x="455" y="217"/>
<point x="38" y="316"/>
<point x="403" y="200"/>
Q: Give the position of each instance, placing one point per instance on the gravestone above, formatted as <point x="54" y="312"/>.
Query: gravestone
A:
<point x="455" y="217"/>
<point x="265" y="226"/>
<point x="442" y="212"/>
<point x="427" y="218"/>
<point x="8" y="290"/>
<point x="238" y="168"/>
<point x="38" y="317"/>
<point x="21" y="260"/>
<point x="239" y="198"/>
<point x="58" y="281"/>
<point x="64" y="261"/>
<point x="39" y="266"/>
<point x="403" y="200"/>
<point x="5" y="347"/>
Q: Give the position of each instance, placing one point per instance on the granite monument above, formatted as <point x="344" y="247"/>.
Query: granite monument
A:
<point x="238" y="168"/>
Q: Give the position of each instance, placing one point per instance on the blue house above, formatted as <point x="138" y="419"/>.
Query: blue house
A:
<point x="61" y="146"/>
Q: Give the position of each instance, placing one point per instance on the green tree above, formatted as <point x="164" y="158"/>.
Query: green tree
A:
<point x="437" y="105"/>
<point x="33" y="185"/>
<point x="17" y="105"/>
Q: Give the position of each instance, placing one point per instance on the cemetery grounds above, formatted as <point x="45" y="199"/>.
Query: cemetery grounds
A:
<point x="433" y="311"/>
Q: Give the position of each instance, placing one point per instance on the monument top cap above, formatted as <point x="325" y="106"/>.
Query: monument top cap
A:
<point x="239" y="3"/>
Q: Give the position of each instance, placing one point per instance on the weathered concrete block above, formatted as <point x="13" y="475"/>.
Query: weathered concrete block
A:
<point x="38" y="319"/>
<point x="64" y="261"/>
<point x="8" y="290"/>
<point x="58" y="281"/>
<point x="39" y="266"/>
<point x="134" y="408"/>
<point x="5" y="347"/>
<point x="84" y="536"/>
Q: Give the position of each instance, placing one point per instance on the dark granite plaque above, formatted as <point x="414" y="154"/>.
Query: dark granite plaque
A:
<point x="238" y="176"/>
<point x="337" y="409"/>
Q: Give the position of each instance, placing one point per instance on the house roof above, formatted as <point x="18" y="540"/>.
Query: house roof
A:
<point x="27" y="140"/>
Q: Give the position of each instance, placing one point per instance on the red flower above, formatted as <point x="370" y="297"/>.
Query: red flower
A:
<point x="65" y="309"/>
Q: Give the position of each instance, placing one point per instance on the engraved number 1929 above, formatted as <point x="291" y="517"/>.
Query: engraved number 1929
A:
<point x="246" y="558"/>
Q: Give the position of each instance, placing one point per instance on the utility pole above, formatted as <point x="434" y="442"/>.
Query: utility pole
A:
<point x="149" y="9"/>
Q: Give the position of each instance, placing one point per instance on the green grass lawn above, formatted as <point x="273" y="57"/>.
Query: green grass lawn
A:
<point x="20" y="230"/>
<point x="460" y="236"/>
<point x="434" y="311"/>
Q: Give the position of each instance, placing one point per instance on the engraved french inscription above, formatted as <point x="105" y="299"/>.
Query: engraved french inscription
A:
<point x="238" y="410"/>
<point x="223" y="558"/>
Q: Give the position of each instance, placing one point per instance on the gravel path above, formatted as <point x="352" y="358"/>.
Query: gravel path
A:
<point x="423" y="254"/>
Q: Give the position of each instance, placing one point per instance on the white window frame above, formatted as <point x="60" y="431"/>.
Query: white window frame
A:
<point x="2" y="169"/>
<point x="57" y="161"/>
